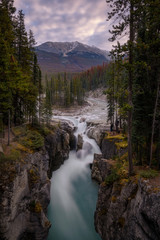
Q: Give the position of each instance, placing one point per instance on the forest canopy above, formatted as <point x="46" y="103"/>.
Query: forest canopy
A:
<point x="20" y="75"/>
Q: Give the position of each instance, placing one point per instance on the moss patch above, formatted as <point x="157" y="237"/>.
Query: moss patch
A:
<point x="113" y="199"/>
<point x="14" y="155"/>
<point x="122" y="144"/>
<point x="19" y="131"/>
<point x="119" y="171"/>
<point x="111" y="136"/>
<point x="34" y="175"/>
<point x="35" y="206"/>
<point x="111" y="178"/>
<point x="148" y="173"/>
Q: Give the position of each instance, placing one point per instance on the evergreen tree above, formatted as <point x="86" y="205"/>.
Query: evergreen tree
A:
<point x="125" y="12"/>
<point x="17" y="91"/>
<point x="6" y="55"/>
<point x="23" y="51"/>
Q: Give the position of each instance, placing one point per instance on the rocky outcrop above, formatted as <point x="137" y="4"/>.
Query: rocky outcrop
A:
<point x="128" y="212"/>
<point x="100" y="168"/>
<point x="24" y="201"/>
<point x="79" y="142"/>
<point x="1" y="149"/>
<point x="126" y="209"/>
<point x="58" y="147"/>
<point x="110" y="150"/>
<point x="69" y="128"/>
<point x="96" y="132"/>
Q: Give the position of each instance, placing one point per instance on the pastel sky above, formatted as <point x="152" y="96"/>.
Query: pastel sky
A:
<point x="67" y="20"/>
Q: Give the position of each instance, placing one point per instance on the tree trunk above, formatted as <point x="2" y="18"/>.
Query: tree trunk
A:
<point x="8" y="127"/>
<point x="153" y="123"/>
<point x="130" y="80"/>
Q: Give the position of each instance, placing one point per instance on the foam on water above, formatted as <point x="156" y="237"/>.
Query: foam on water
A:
<point x="74" y="194"/>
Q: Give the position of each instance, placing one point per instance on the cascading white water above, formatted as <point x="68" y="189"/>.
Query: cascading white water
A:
<point x="74" y="194"/>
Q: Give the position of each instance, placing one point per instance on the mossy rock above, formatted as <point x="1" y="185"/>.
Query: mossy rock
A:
<point x="35" y="206"/>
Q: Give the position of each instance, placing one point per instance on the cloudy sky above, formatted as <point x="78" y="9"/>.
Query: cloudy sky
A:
<point x="67" y="20"/>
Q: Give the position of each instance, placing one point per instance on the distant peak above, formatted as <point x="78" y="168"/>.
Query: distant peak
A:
<point x="65" y="48"/>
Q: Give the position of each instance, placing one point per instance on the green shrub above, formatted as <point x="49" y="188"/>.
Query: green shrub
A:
<point x="44" y="131"/>
<point x="33" y="140"/>
<point x="13" y="156"/>
<point x="19" y="131"/>
<point x="149" y="173"/>
<point x="112" y="177"/>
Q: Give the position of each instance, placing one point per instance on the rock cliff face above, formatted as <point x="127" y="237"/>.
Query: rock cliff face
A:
<point x="25" y="198"/>
<point x="97" y="132"/>
<point x="57" y="146"/>
<point x="24" y="201"/>
<point x="110" y="149"/>
<point x="100" y="168"/>
<point x="127" y="210"/>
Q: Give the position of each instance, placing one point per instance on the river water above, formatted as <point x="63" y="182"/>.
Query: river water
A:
<point x="74" y="194"/>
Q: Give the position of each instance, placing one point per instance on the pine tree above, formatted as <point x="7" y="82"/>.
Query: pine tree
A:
<point x="23" y="51"/>
<point x="6" y="53"/>
<point x="125" y="12"/>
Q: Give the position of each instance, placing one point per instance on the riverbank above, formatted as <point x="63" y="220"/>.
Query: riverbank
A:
<point x="94" y="109"/>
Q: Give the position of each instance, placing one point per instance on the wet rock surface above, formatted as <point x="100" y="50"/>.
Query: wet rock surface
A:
<point x="58" y="147"/>
<point x="69" y="128"/>
<point x="100" y="168"/>
<point x="79" y="142"/>
<point x="96" y="132"/>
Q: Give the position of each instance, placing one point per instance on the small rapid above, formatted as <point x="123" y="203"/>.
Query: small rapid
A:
<point x="73" y="193"/>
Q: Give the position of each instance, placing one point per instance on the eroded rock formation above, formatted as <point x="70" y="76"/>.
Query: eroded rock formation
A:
<point x="24" y="201"/>
<point x="96" y="131"/>
<point x="126" y="209"/>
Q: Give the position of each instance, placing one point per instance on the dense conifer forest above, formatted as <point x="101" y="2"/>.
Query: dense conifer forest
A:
<point x="131" y="80"/>
<point x="20" y="75"/>
<point x="133" y="87"/>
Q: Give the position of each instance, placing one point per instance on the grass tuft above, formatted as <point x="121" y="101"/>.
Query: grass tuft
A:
<point x="149" y="173"/>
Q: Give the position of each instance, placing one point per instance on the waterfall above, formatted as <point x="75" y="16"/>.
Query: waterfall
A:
<point x="73" y="193"/>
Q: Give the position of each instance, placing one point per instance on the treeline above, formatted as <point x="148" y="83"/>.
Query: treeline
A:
<point x="133" y="79"/>
<point x="94" y="77"/>
<point x="20" y="75"/>
<point x="66" y="90"/>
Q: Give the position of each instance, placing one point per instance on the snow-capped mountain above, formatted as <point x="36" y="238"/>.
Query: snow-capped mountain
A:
<point x="65" y="48"/>
<point x="69" y="56"/>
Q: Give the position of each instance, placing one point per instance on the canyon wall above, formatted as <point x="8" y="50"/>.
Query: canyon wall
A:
<point x="127" y="209"/>
<point x="25" y="197"/>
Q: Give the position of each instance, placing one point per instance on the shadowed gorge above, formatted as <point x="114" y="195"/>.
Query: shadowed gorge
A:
<point x="73" y="194"/>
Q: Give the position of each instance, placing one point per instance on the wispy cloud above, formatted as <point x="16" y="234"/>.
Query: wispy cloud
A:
<point x="67" y="20"/>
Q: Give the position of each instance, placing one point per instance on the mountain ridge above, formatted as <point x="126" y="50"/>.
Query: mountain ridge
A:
<point x="69" y="56"/>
